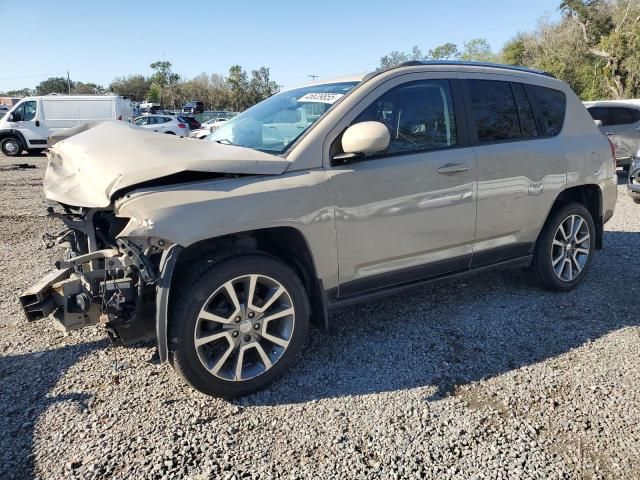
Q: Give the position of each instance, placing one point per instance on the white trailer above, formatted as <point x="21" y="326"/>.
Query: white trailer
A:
<point x="31" y="121"/>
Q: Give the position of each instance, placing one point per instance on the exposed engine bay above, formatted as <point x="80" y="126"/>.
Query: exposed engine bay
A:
<point x="101" y="279"/>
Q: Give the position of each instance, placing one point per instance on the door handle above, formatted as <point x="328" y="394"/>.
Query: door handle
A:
<point x="453" y="168"/>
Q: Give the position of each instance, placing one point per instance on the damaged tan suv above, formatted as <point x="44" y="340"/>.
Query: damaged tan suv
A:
<point x="225" y="250"/>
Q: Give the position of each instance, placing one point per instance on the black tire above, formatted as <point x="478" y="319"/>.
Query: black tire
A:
<point x="196" y="290"/>
<point x="542" y="266"/>
<point x="169" y="133"/>
<point x="11" y="146"/>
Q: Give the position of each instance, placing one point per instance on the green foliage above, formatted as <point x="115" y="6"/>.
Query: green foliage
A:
<point x="23" y="92"/>
<point x="513" y="52"/>
<point x="135" y="87"/>
<point x="80" y="88"/>
<point x="594" y="47"/>
<point x="53" y="85"/>
<point x="155" y="93"/>
<point x="477" y="49"/>
<point x="446" y="51"/>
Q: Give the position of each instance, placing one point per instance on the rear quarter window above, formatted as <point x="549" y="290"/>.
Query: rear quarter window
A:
<point x="552" y="104"/>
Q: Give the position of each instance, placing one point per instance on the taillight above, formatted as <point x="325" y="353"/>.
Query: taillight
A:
<point x="182" y="125"/>
<point x="613" y="153"/>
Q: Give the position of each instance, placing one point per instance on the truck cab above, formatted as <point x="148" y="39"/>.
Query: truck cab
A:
<point x="23" y="128"/>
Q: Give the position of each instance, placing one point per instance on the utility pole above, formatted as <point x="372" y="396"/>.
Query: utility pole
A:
<point x="68" y="83"/>
<point x="313" y="78"/>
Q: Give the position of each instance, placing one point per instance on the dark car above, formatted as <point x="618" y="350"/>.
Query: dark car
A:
<point x="193" y="107"/>
<point x="194" y="124"/>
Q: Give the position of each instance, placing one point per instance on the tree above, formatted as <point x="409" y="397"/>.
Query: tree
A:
<point x="24" y="92"/>
<point x="446" y="51"/>
<point x="164" y="79"/>
<point x="594" y="47"/>
<point x="513" y="52"/>
<point x="260" y="86"/>
<point x="53" y="85"/>
<point x="614" y="40"/>
<point x="155" y="93"/>
<point x="478" y="50"/>
<point x="238" y="86"/>
<point x="80" y="88"/>
<point x="163" y="75"/>
<point x="394" y="58"/>
<point x="134" y="87"/>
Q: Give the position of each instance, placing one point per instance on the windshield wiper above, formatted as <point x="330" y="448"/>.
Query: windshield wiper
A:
<point x="224" y="141"/>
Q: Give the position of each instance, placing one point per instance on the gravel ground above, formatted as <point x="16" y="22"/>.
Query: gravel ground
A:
<point x="488" y="377"/>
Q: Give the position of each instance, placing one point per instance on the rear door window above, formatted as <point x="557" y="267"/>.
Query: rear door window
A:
<point x="494" y="110"/>
<point x="525" y="112"/>
<point x="552" y="104"/>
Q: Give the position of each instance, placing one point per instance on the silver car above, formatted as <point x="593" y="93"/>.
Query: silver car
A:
<point x="621" y="121"/>
<point x="173" y="125"/>
<point x="225" y="250"/>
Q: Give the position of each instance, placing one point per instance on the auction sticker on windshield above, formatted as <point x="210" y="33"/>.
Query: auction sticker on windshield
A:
<point x="330" y="98"/>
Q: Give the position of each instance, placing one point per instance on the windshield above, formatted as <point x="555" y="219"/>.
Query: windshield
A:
<point x="273" y="124"/>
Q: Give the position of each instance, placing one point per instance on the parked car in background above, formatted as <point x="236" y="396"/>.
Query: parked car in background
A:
<point x="214" y="123"/>
<point x="633" y="181"/>
<point x="149" y="108"/>
<point x="164" y="124"/>
<point x="316" y="198"/>
<point x="200" y="133"/>
<point x="619" y="120"/>
<point x="193" y="107"/>
<point x="31" y="121"/>
<point x="207" y="128"/>
<point x="194" y="124"/>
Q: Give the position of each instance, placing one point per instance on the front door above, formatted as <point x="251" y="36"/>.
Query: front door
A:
<point x="27" y="119"/>
<point x="409" y="213"/>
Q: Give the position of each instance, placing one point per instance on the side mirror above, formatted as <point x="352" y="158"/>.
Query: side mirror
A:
<point x="10" y="117"/>
<point x="365" y="138"/>
<point x="598" y="123"/>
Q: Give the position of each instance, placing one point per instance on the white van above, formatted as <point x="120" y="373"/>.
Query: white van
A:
<point x="31" y="121"/>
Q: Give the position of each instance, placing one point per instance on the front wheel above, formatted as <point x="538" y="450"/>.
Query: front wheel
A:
<point x="564" y="250"/>
<point x="238" y="326"/>
<point x="11" y="147"/>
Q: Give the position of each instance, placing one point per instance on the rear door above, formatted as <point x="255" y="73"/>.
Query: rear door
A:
<point x="520" y="166"/>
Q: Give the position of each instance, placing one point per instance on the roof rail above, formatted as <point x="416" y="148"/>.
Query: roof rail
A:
<point x="416" y="63"/>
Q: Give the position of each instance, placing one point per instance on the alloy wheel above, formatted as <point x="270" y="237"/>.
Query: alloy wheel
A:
<point x="244" y="327"/>
<point x="571" y="248"/>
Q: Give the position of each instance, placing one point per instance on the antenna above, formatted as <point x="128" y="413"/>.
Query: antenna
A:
<point x="313" y="77"/>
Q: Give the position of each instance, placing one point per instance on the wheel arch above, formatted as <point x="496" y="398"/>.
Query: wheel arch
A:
<point x="14" y="133"/>
<point x="285" y="243"/>
<point x="589" y="195"/>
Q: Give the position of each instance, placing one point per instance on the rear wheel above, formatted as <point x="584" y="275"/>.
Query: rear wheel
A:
<point x="238" y="326"/>
<point x="11" y="146"/>
<point x="169" y="133"/>
<point x="565" y="248"/>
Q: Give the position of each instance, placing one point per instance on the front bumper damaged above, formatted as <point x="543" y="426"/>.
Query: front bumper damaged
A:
<point x="105" y="286"/>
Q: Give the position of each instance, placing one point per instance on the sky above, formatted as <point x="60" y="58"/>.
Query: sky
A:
<point x="97" y="41"/>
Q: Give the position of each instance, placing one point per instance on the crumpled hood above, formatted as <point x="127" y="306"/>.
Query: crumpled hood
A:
<point x="87" y="169"/>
